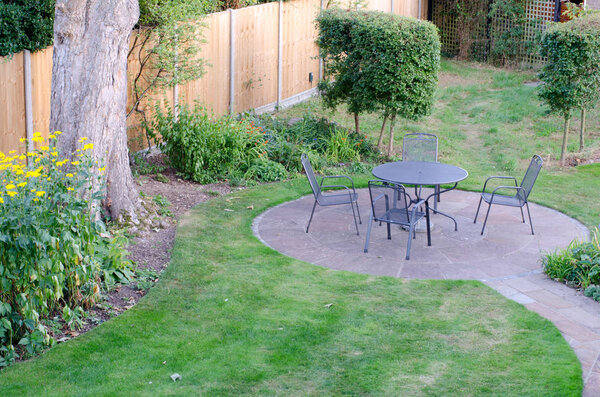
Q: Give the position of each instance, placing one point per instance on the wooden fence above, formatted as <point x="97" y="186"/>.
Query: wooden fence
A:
<point x="269" y="49"/>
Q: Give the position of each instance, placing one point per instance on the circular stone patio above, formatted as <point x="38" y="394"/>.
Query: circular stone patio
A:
<point x="507" y="248"/>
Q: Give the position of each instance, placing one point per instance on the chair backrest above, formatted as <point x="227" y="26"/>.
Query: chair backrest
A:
<point x="530" y="176"/>
<point x="420" y="147"/>
<point x="385" y="196"/>
<point x="310" y="174"/>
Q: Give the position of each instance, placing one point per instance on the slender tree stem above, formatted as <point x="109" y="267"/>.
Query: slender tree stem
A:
<point x="356" y="123"/>
<point x="563" y="149"/>
<point x="391" y="144"/>
<point x="380" y="142"/>
<point x="582" y="130"/>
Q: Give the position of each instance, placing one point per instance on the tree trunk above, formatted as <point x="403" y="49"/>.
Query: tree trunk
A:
<point x="356" y="123"/>
<point x="89" y="88"/>
<point x="391" y="144"/>
<point x="563" y="149"/>
<point x="582" y="131"/>
<point x="380" y="142"/>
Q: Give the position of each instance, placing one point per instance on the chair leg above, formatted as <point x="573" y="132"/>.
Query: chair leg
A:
<point x="358" y="212"/>
<point x="486" y="217"/>
<point x="439" y="196"/>
<point x="410" y="231"/>
<point x="529" y="215"/>
<point x="522" y="217"/>
<point x="477" y="213"/>
<point x="354" y="215"/>
<point x="311" y="216"/>
<point x="428" y="226"/>
<point x="389" y="230"/>
<point x="368" y="233"/>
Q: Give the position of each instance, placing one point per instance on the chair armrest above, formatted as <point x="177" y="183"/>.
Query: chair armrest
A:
<point x="497" y="177"/>
<point x="328" y="186"/>
<point x="337" y="176"/>
<point x="517" y="188"/>
<point x="415" y="207"/>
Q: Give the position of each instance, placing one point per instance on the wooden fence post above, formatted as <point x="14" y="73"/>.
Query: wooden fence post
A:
<point x="28" y="100"/>
<point x="231" y="63"/>
<point x="321" y="59"/>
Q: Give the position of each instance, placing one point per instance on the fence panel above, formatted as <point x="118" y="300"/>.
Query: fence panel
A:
<point x="380" y="5"/>
<point x="300" y="51"/>
<point x="255" y="48"/>
<point x="213" y="88"/>
<point x="41" y="86"/>
<point x="12" y="103"/>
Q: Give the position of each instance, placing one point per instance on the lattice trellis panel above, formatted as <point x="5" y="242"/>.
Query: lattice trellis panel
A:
<point x="446" y="18"/>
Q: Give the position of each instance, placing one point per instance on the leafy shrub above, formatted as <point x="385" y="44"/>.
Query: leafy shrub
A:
<point x="571" y="74"/>
<point x="26" y="24"/>
<point x="205" y="149"/>
<point x="578" y="265"/>
<point x="266" y="171"/>
<point x="52" y="256"/>
<point x="593" y="291"/>
<point x="340" y="148"/>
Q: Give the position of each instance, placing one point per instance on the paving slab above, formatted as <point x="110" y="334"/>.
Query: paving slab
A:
<point x="506" y="257"/>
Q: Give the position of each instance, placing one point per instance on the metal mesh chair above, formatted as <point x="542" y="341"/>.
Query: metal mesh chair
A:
<point x="349" y="196"/>
<point x="391" y="204"/>
<point x="421" y="147"/>
<point x="521" y="193"/>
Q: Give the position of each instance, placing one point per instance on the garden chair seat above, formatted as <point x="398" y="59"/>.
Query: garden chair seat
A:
<point x="335" y="199"/>
<point x="511" y="201"/>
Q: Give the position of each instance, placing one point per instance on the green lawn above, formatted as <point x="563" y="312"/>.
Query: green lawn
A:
<point x="235" y="317"/>
<point x="490" y="123"/>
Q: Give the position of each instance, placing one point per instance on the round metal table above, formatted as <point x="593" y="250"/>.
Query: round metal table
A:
<point x="421" y="173"/>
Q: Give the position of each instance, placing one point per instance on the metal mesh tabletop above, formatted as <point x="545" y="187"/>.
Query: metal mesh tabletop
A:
<point x="419" y="173"/>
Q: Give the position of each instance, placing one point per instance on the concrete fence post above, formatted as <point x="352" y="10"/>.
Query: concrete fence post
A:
<point x="321" y="67"/>
<point x="280" y="54"/>
<point x="392" y="6"/>
<point x="28" y="100"/>
<point x="231" y="63"/>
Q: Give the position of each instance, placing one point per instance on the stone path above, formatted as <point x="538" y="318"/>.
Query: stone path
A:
<point x="506" y="257"/>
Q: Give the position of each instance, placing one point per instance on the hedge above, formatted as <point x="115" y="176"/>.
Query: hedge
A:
<point x="26" y="24"/>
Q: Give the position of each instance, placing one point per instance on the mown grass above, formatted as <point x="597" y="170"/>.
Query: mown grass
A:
<point x="234" y="317"/>
<point x="490" y="123"/>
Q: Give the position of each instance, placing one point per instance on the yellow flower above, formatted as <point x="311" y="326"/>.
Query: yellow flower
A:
<point x="52" y="136"/>
<point x="89" y="146"/>
<point x="40" y="193"/>
<point x="10" y="186"/>
<point x="11" y="193"/>
<point x="69" y="175"/>
<point x="38" y="139"/>
<point x="57" y="132"/>
<point x="82" y="140"/>
<point x="23" y="140"/>
<point x="21" y="184"/>
<point x="1" y="200"/>
<point x="49" y="179"/>
<point x="54" y="154"/>
<point x="44" y="148"/>
<point x="37" y="134"/>
<point x="70" y="188"/>
<point x="75" y="162"/>
<point x="12" y="152"/>
<point x="102" y="169"/>
<point x="22" y="157"/>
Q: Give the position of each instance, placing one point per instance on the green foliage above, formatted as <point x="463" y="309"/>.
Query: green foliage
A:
<point x="508" y="40"/>
<point x="26" y="24"/>
<point x="265" y="170"/>
<point x="163" y="204"/>
<point x="206" y="150"/>
<point x="145" y="278"/>
<point x="378" y="62"/>
<point x="578" y="265"/>
<point x="340" y="148"/>
<point x="593" y="291"/>
<point x="52" y="253"/>
<point x="142" y="166"/>
<point x="571" y="73"/>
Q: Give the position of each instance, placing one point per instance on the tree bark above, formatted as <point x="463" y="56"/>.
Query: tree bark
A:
<point x="356" y="123"/>
<point x="582" y="130"/>
<point x="563" y="149"/>
<point x="89" y="88"/>
<point x="380" y="142"/>
<point x="391" y="144"/>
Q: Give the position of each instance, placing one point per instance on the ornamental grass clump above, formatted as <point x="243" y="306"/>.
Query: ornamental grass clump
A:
<point x="53" y="258"/>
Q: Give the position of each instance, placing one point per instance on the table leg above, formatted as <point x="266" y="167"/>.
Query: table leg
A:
<point x="428" y="227"/>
